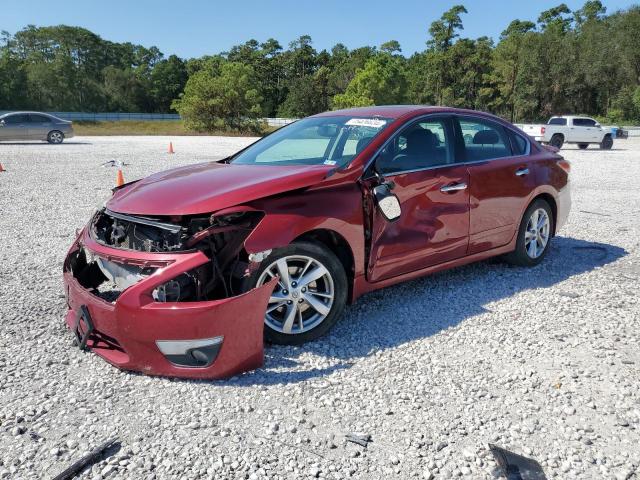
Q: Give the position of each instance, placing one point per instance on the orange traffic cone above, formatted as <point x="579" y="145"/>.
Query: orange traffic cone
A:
<point x="119" y="178"/>
<point x="2" y="168"/>
<point x="171" y="147"/>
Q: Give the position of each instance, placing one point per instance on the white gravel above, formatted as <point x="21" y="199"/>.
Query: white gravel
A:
<point x="544" y="362"/>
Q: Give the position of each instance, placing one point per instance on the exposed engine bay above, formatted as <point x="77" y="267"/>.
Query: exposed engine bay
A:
<point x="220" y="238"/>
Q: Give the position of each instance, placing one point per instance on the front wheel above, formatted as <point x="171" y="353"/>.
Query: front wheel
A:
<point x="534" y="235"/>
<point x="55" y="137"/>
<point x="310" y="295"/>
<point x="607" y="143"/>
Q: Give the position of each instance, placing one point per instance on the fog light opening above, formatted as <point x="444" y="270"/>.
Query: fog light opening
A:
<point x="191" y="353"/>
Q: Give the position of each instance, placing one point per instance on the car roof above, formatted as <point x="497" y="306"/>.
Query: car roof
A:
<point x="395" y="112"/>
<point x="26" y="112"/>
<point x="49" y="115"/>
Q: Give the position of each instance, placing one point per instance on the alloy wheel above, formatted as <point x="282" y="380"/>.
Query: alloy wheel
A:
<point x="303" y="297"/>
<point x="536" y="236"/>
<point x="56" y="137"/>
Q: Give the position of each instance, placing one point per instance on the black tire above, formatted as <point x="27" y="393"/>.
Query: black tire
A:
<point x="607" y="143"/>
<point x="340" y="288"/>
<point x="55" y="137"/>
<point x="520" y="256"/>
<point x="583" y="146"/>
<point x="557" y="140"/>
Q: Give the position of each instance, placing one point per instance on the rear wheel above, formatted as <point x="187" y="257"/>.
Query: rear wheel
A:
<point x="309" y="297"/>
<point x="583" y="146"/>
<point x="534" y="235"/>
<point x="55" y="137"/>
<point x="557" y="140"/>
<point x="607" y="143"/>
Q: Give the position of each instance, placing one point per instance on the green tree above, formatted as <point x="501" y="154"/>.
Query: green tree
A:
<point x="391" y="47"/>
<point x="167" y="81"/>
<point x="227" y="99"/>
<point x="444" y="31"/>
<point x="381" y="81"/>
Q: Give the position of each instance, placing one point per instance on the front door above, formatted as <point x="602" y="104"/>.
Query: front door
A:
<point x="433" y="193"/>
<point x="15" y="127"/>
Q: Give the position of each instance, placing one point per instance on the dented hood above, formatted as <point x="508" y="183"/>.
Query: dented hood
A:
<point x="207" y="187"/>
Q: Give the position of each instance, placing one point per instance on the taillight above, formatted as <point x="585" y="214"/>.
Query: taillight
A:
<point x="565" y="165"/>
<point x="542" y="130"/>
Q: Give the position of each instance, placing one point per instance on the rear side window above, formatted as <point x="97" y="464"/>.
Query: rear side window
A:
<point x="483" y="140"/>
<point x="584" y="122"/>
<point x="558" y="121"/>
<point x="39" y="118"/>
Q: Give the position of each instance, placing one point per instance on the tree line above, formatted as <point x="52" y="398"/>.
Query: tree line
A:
<point x="584" y="61"/>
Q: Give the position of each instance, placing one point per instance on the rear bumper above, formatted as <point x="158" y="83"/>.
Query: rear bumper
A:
<point x="564" y="206"/>
<point x="126" y="332"/>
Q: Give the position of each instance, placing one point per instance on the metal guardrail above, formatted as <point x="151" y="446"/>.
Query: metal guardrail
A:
<point x="116" y="116"/>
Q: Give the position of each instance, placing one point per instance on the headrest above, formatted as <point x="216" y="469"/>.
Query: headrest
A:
<point x="421" y="139"/>
<point x="486" y="137"/>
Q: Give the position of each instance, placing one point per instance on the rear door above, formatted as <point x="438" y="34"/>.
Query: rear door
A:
<point x="15" y="127"/>
<point x="432" y="189"/>
<point x="501" y="180"/>
<point x="39" y="126"/>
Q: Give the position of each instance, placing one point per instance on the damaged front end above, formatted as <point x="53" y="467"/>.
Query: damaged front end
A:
<point x="220" y="237"/>
<point x="165" y="296"/>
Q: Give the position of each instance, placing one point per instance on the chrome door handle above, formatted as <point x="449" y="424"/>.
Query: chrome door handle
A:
<point x="522" y="172"/>
<point x="453" y="188"/>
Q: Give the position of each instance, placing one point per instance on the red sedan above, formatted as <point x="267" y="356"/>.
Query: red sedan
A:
<point x="184" y="273"/>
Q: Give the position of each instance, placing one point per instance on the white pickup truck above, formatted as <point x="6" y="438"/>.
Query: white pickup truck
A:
<point x="569" y="129"/>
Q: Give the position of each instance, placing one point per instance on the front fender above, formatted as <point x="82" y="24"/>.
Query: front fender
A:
<point x="338" y="209"/>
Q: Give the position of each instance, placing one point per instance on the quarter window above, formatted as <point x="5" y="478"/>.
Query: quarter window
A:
<point x="519" y="144"/>
<point x="482" y="140"/>
<point x="421" y="145"/>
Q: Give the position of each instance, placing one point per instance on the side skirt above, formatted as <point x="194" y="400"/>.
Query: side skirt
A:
<point x="362" y="286"/>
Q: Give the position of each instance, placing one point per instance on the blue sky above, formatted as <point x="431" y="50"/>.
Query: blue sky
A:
<point x="192" y="28"/>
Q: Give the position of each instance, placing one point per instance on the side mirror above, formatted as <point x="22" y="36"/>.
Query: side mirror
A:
<point x="598" y="125"/>
<point x="387" y="202"/>
<point x="2" y="123"/>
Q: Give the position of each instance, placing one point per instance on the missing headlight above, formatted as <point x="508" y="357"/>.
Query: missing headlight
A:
<point x="180" y="289"/>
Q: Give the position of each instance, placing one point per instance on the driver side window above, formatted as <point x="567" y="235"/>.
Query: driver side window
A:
<point x="423" y="144"/>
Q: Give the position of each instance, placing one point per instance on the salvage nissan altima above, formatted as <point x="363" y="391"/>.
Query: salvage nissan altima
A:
<point x="185" y="272"/>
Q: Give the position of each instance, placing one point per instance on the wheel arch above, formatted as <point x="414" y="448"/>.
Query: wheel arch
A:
<point x="547" y="197"/>
<point x="339" y="246"/>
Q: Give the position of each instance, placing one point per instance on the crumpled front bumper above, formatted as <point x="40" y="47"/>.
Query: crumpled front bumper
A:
<point x="126" y="332"/>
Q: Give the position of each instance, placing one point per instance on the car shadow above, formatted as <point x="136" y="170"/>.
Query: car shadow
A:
<point x="421" y="308"/>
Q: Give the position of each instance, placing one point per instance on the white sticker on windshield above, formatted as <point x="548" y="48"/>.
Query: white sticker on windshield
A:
<point x="366" y="122"/>
<point x="329" y="162"/>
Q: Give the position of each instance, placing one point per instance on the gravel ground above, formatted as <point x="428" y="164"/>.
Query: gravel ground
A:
<point x="544" y="362"/>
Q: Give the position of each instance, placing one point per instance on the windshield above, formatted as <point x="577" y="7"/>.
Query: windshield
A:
<point x="314" y="141"/>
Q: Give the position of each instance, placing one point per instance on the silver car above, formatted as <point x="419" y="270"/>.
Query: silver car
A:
<point x="34" y="126"/>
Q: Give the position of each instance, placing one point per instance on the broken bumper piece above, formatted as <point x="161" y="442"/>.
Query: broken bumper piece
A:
<point x="199" y="339"/>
